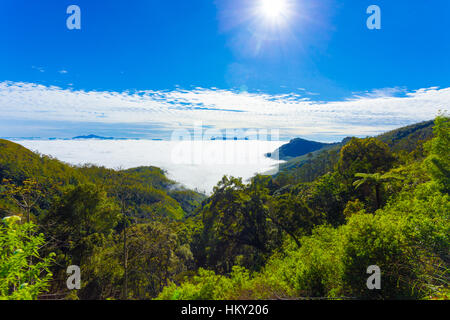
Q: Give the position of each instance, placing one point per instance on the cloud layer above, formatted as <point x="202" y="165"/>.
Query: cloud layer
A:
<point x="295" y="115"/>
<point x="198" y="166"/>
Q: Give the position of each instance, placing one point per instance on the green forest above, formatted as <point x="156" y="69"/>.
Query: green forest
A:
<point x="310" y="231"/>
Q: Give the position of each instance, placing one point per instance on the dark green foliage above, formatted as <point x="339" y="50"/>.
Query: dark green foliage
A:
<point x="327" y="195"/>
<point x="364" y="156"/>
<point x="234" y="226"/>
<point x="189" y="200"/>
<point x="81" y="213"/>
<point x="243" y="224"/>
<point x="291" y="215"/>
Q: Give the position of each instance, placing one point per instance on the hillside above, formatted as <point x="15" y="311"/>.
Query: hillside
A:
<point x="18" y="164"/>
<point x="407" y="138"/>
<point x="309" y="166"/>
<point x="297" y="147"/>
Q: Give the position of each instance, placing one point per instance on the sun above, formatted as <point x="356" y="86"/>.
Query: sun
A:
<point x="274" y="10"/>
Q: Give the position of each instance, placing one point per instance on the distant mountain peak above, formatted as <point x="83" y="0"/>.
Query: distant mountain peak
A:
<point x="92" y="136"/>
<point x="297" y="147"/>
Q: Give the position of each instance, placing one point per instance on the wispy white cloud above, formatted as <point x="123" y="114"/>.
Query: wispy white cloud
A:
<point x="40" y="69"/>
<point x="295" y="115"/>
<point x="382" y="93"/>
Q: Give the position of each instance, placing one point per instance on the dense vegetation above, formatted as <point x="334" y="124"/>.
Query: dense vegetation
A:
<point x="310" y="231"/>
<point x="125" y="229"/>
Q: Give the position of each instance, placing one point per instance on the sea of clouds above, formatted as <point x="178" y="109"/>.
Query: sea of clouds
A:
<point x="196" y="165"/>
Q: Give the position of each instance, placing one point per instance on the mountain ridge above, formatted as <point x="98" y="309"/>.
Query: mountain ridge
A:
<point x="401" y="139"/>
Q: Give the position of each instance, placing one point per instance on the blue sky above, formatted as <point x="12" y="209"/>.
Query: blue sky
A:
<point x="220" y="55"/>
